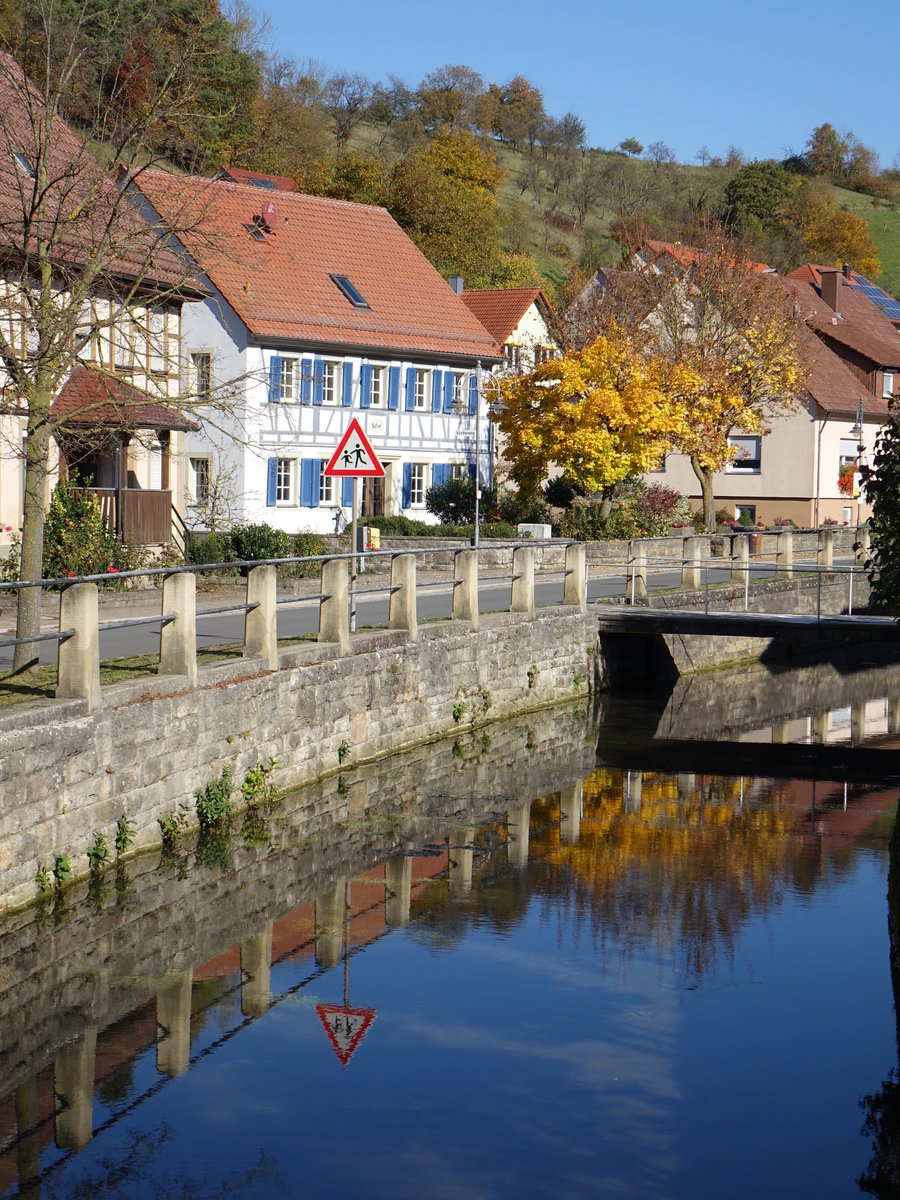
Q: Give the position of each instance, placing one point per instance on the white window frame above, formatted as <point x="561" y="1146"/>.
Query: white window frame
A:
<point x="459" y="471"/>
<point x="422" y="390"/>
<point x="378" y="390"/>
<point x="735" y="467"/>
<point x="285" y="482"/>
<point x="887" y="386"/>
<point x="199" y="470"/>
<point x="332" y="375"/>
<point x="460" y="400"/>
<point x="201" y="375"/>
<point x="326" y="485"/>
<point x="417" y="484"/>
<point x="157" y="341"/>
<point x="848" y="451"/>
<point x="512" y="352"/>
<point x="290" y="379"/>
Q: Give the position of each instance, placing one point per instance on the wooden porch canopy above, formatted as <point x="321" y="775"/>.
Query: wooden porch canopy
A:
<point x="96" y="415"/>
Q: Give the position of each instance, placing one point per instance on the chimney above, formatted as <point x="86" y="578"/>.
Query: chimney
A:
<point x="831" y="290"/>
<point x="846" y="270"/>
<point x="456" y="282"/>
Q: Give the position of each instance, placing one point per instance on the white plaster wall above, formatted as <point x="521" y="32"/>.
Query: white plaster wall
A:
<point x="532" y="330"/>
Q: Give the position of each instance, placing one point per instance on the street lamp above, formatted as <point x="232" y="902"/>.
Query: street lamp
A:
<point x="856" y="431"/>
<point x="484" y="382"/>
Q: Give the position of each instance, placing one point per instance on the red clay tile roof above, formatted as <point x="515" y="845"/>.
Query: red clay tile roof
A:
<point x="861" y="325"/>
<point x="501" y="309"/>
<point x="686" y="255"/>
<point x="94" y="399"/>
<point x="281" y="183"/>
<point x="76" y="181"/>
<point x="280" y="284"/>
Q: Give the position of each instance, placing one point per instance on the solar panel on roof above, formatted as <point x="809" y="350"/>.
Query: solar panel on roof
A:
<point x="264" y="183"/>
<point x="888" y="304"/>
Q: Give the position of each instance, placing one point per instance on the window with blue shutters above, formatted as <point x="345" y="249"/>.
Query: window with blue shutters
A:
<point x="394" y="388"/>
<point x="347" y="492"/>
<point x="271" y="481"/>
<point x="365" y="385"/>
<point x="275" y="379"/>
<point x="473" y="395"/>
<point x="440" y="473"/>
<point x="406" y="492"/>
<point x="436" y="385"/>
<point x="310" y="474"/>
<point x="318" y="381"/>
<point x="410" y="388"/>
<point x="448" y="391"/>
<point x="347" y="389"/>
<point x="306" y="380"/>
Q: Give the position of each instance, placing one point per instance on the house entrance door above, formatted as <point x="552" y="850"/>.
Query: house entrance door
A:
<point x="372" y="497"/>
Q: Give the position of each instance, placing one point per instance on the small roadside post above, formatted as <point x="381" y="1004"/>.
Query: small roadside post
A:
<point x="353" y="459"/>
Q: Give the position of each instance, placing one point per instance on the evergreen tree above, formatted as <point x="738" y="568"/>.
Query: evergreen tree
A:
<point x="882" y="481"/>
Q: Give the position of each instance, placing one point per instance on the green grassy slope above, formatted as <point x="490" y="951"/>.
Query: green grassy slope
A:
<point x="884" y="223"/>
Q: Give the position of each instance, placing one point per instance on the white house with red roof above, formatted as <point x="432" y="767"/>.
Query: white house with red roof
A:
<point x="321" y="311"/>
<point x="521" y="321"/>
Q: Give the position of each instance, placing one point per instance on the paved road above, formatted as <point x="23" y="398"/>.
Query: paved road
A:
<point x="434" y="600"/>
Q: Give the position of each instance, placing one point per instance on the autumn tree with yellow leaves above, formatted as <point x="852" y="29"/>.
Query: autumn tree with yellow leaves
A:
<point x="730" y="335"/>
<point x="598" y="414"/>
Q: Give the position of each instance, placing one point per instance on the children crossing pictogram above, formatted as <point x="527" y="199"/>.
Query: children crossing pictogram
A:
<point x="354" y="455"/>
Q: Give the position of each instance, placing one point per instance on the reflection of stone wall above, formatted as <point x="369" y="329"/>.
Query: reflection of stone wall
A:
<point x="756" y="698"/>
<point x="64" y="774"/>
<point x="56" y="981"/>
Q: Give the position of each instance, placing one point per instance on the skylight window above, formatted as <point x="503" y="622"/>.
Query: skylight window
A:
<point x="353" y="294"/>
<point x="24" y="165"/>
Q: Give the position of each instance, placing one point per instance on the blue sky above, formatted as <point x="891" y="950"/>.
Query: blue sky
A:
<point x="686" y="74"/>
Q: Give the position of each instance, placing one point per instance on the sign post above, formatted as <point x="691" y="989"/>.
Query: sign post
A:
<point x="353" y="459"/>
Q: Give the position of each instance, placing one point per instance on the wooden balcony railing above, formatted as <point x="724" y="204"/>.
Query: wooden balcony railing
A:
<point x="145" y="517"/>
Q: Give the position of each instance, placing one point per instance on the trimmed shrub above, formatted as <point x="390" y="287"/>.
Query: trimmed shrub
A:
<point x="250" y="542"/>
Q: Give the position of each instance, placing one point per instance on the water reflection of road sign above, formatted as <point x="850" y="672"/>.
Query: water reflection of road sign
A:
<point x="354" y="455"/>
<point x="345" y="1027"/>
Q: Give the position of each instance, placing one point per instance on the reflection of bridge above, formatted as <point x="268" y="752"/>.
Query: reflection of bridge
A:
<point x="746" y="624"/>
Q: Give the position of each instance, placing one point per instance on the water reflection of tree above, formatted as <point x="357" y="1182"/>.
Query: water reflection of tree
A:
<point x="680" y="872"/>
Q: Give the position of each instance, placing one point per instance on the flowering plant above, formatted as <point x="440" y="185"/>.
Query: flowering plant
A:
<point x="845" y="478"/>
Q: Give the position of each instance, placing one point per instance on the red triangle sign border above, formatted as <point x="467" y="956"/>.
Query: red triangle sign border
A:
<point x="375" y="470"/>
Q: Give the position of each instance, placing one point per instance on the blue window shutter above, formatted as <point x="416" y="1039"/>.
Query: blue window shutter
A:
<point x="318" y="381"/>
<point x="274" y="379"/>
<point x="473" y="395"/>
<point x="448" y="392"/>
<point x="347" y="388"/>
<point x="310" y="472"/>
<point x="437" y="381"/>
<point x="406" y="497"/>
<point x="410" y="388"/>
<point x="271" y="481"/>
<point x="440" y="473"/>
<point x="365" y="385"/>
<point x="306" y="373"/>
<point x="347" y="492"/>
<point x="472" y="471"/>
<point x="394" y="388"/>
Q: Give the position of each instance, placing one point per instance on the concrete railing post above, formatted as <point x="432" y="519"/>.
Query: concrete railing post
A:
<point x="863" y="543"/>
<point x="690" y="570"/>
<point x="329" y="916"/>
<point x="178" y="639"/>
<point x="334" y="621"/>
<point x="465" y="587"/>
<point x="256" y="966"/>
<point x="462" y="855"/>
<point x="522" y="600"/>
<point x="637" y="574"/>
<point x="403" y="600"/>
<point x="784" y="554"/>
<point x="571" y="802"/>
<point x="575" y="586"/>
<point x="78" y="674"/>
<point x="825" y="552"/>
<point x="740" y="557"/>
<point x="517" y="834"/>
<point x="260" y="631"/>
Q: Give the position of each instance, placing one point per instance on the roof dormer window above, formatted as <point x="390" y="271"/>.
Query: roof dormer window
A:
<point x="353" y="294"/>
<point x="24" y="165"/>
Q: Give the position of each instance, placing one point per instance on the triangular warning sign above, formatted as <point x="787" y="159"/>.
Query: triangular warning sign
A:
<point x="345" y="1027"/>
<point x="354" y="455"/>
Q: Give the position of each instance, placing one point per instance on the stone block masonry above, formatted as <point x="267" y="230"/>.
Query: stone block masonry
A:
<point x="65" y="773"/>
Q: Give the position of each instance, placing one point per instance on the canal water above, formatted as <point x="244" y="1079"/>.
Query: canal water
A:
<point x="517" y="964"/>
